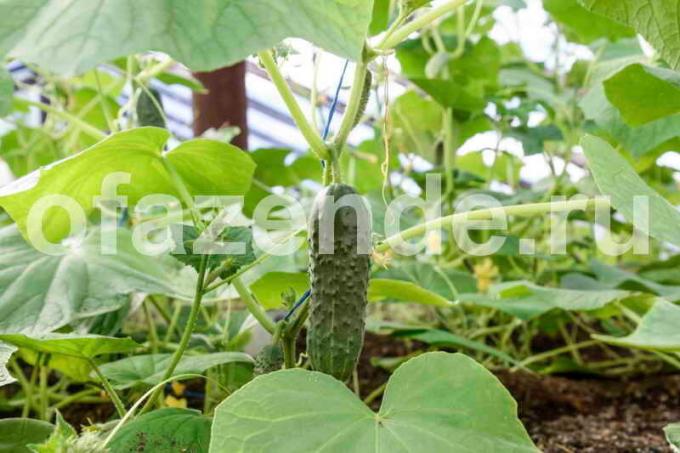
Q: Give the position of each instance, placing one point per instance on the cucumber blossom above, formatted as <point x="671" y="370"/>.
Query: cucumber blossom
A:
<point x="339" y="266"/>
<point x="269" y="359"/>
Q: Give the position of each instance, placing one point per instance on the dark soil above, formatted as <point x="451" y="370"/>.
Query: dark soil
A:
<point x="564" y="414"/>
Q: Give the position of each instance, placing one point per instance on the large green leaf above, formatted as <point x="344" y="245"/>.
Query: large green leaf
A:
<point x="74" y="36"/>
<point x="150" y="369"/>
<point x="71" y="345"/>
<point x="527" y="301"/>
<point x="400" y="290"/>
<point x="658" y="330"/>
<point x="207" y="168"/>
<point x="268" y="288"/>
<point x="40" y="293"/>
<point x="617" y="179"/>
<point x="644" y="93"/>
<point x="651" y="137"/>
<point x="451" y="94"/>
<point x="434" y="402"/>
<point x="17" y="433"/>
<point x="448" y="283"/>
<point x="582" y="25"/>
<point x="165" y="430"/>
<point x="657" y="20"/>
<point x="5" y="354"/>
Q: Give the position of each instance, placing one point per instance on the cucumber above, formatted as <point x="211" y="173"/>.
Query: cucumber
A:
<point x="339" y="283"/>
<point x="365" y="96"/>
<point x="148" y="113"/>
<point x="269" y="359"/>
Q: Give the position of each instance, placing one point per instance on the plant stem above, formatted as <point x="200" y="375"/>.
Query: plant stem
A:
<point x="253" y="306"/>
<point x="186" y="335"/>
<point x="42" y="363"/>
<point x="556" y="352"/>
<point x="120" y="407"/>
<point x="153" y="334"/>
<point x="419" y="22"/>
<point x="352" y="109"/>
<point x="82" y="125"/>
<point x="308" y="132"/>
<point x="449" y="155"/>
<point x="520" y="210"/>
<point x="375" y="393"/>
<point x="288" y="343"/>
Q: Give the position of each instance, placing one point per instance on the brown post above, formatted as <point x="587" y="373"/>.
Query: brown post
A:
<point x="225" y="103"/>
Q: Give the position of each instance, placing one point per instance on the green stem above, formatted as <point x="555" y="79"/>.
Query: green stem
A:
<point x="555" y="352"/>
<point x="153" y="334"/>
<point x="308" y="132"/>
<point x="82" y="125"/>
<point x="288" y="351"/>
<point x="419" y="22"/>
<point x="151" y="72"/>
<point x="521" y="210"/>
<point x="120" y="407"/>
<point x="253" y="306"/>
<point x="186" y="335"/>
<point x="78" y="397"/>
<point x="183" y="190"/>
<point x="449" y="155"/>
<point x="44" y="398"/>
<point x="352" y="109"/>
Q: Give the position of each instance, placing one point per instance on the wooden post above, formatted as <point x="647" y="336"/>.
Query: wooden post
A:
<point x="225" y="103"/>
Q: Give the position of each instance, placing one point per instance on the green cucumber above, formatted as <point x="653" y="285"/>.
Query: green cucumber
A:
<point x="365" y="96"/>
<point x="149" y="109"/>
<point x="339" y="281"/>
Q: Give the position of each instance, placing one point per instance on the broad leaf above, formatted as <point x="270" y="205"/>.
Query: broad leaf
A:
<point x="40" y="293"/>
<point x="68" y="37"/>
<point x="617" y="179"/>
<point x="71" y="345"/>
<point x="149" y="369"/>
<point x="25" y="149"/>
<point x="644" y="93"/>
<point x="207" y="168"/>
<point x="434" y="402"/>
<point x="17" y="433"/>
<point x="447" y="283"/>
<point x="5" y="355"/>
<point x="657" y="20"/>
<point x="380" y="289"/>
<point x="167" y="430"/>
<point x="655" y="136"/>
<point x="658" y="330"/>
<point x="451" y="94"/>
<point x="528" y="301"/>
<point x="583" y="26"/>
<point x="268" y="288"/>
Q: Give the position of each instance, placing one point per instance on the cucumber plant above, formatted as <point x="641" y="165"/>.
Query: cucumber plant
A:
<point x="460" y="83"/>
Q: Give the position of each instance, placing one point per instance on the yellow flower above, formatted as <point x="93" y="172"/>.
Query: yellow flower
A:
<point x="171" y="401"/>
<point x="486" y="273"/>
